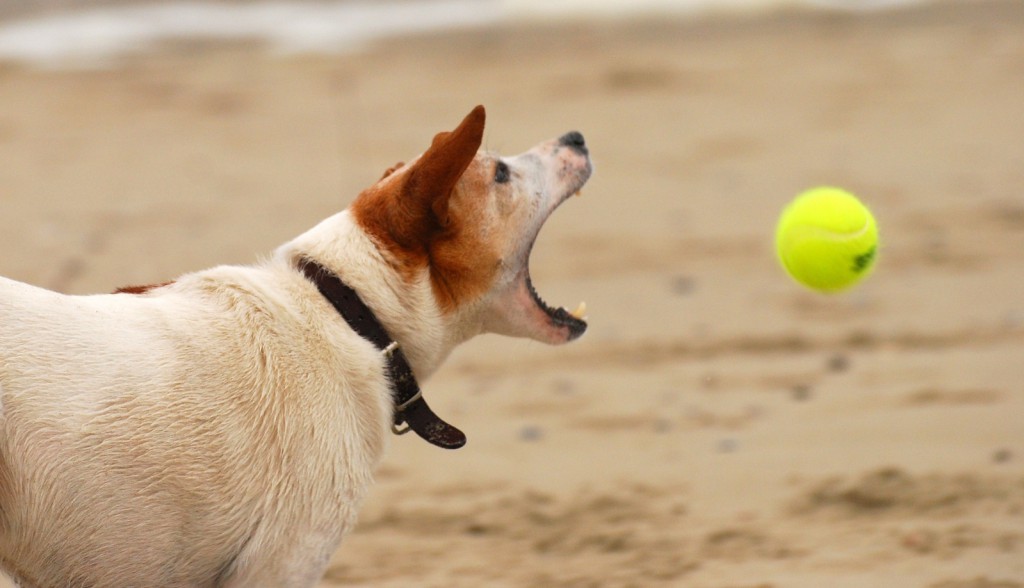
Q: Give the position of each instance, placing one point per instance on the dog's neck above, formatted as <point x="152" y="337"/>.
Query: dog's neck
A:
<point x="407" y="310"/>
<point x="411" y="411"/>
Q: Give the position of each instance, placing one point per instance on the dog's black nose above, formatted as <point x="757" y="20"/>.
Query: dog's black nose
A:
<point x="574" y="140"/>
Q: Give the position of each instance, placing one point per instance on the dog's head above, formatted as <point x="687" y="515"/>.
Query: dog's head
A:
<point x="467" y="220"/>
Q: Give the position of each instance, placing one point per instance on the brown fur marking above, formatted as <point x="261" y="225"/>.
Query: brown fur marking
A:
<point x="462" y="258"/>
<point x="141" y="289"/>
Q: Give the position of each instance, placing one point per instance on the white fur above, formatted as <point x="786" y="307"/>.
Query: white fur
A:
<point x="250" y="414"/>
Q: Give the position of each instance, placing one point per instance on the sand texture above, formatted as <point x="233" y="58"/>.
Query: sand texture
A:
<point x="718" y="426"/>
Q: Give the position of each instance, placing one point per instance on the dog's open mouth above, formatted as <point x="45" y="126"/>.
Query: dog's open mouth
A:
<point x="572" y="323"/>
<point x="561" y="168"/>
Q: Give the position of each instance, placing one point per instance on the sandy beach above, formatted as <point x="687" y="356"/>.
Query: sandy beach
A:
<point x="718" y="426"/>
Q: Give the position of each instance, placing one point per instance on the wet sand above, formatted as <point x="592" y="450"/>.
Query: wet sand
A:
<point x="718" y="426"/>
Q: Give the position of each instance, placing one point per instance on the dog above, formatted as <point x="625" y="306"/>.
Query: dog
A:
<point x="223" y="428"/>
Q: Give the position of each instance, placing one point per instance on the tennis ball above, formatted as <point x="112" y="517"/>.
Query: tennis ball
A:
<point x="826" y="239"/>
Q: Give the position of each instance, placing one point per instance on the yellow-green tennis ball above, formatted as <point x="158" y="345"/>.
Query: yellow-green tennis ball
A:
<point x="826" y="239"/>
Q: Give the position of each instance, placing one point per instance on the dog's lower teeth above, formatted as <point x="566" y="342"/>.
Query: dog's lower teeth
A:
<point x="580" y="311"/>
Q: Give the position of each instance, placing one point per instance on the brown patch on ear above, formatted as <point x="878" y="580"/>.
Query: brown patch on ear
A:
<point x="392" y="170"/>
<point x="404" y="217"/>
<point x="141" y="289"/>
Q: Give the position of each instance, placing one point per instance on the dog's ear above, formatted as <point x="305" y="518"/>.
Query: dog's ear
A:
<point x="392" y="170"/>
<point x="407" y="213"/>
<point x="434" y="175"/>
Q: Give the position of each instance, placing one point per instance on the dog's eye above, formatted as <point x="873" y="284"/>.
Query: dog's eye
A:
<point x="501" y="173"/>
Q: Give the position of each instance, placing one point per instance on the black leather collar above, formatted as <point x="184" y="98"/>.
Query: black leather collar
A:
<point x="410" y="406"/>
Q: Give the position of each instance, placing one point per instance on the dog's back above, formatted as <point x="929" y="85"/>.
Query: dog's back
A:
<point x="150" y="427"/>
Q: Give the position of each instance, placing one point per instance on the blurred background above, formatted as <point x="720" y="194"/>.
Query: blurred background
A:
<point x="718" y="426"/>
